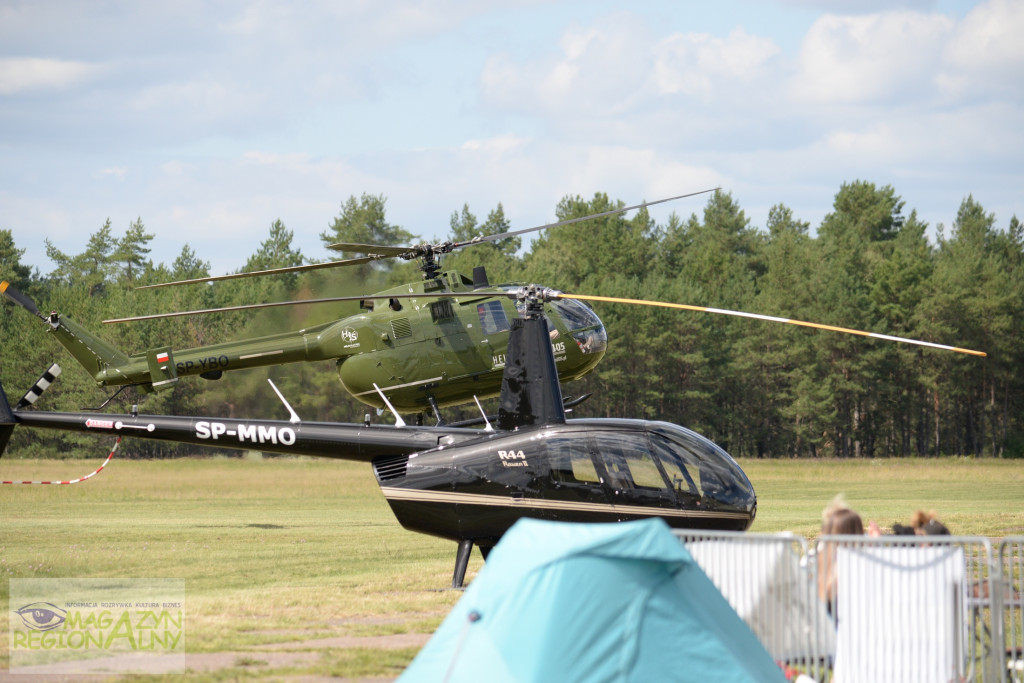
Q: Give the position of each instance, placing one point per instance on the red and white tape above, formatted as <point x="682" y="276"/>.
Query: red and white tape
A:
<point x="80" y="479"/>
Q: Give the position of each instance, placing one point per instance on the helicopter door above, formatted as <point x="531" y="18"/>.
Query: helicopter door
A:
<point x="494" y="326"/>
<point x="576" y="484"/>
<point x="634" y="474"/>
<point x="402" y="367"/>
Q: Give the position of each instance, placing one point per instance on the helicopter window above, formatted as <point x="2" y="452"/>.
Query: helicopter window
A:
<point x="570" y="464"/>
<point x="583" y="469"/>
<point x="645" y="471"/>
<point x="441" y="310"/>
<point x="575" y="314"/>
<point x="584" y="326"/>
<point x="629" y="462"/>
<point x="492" y="317"/>
<point x="674" y="466"/>
<point x="591" y="341"/>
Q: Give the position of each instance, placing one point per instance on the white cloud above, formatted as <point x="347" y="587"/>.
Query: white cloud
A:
<point x="212" y="120"/>
<point x="929" y="144"/>
<point x="355" y="24"/>
<point x="870" y="58"/>
<point x="912" y="58"/>
<point x="990" y="38"/>
<point x="31" y="74"/>
<point x="986" y="53"/>
<point x="695" y="63"/>
<point x="655" y="174"/>
<point x="598" y="70"/>
<point x="618" y="69"/>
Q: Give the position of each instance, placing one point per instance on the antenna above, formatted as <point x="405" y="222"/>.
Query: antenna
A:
<point x="294" y="416"/>
<point x="487" y="422"/>
<point x="399" y="422"/>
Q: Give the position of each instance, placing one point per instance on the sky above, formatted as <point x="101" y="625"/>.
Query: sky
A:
<point x="211" y="120"/>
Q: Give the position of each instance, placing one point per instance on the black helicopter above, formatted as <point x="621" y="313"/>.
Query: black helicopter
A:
<point x="470" y="485"/>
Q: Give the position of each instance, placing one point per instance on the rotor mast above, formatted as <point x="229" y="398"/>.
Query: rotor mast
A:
<point x="429" y="256"/>
<point x="530" y="391"/>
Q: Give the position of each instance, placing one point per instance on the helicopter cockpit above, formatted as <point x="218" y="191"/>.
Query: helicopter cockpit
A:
<point x="584" y="326"/>
<point x="662" y="466"/>
<point x="698" y="465"/>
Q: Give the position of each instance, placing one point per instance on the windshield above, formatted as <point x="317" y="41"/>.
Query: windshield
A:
<point x="583" y="324"/>
<point x="711" y="470"/>
<point x="575" y="315"/>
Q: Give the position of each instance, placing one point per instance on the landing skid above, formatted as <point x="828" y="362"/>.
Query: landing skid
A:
<point x="461" y="562"/>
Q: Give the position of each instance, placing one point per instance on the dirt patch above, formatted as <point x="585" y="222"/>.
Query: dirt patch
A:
<point x="381" y="620"/>
<point x="396" y="641"/>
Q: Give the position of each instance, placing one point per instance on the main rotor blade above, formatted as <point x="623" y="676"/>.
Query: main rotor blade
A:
<point x="272" y="271"/>
<point x="372" y="249"/>
<point x="17" y="297"/>
<point x="472" y="294"/>
<point x="447" y="247"/>
<point x="569" y="221"/>
<point x="770" y="318"/>
<point x="226" y="309"/>
<point x="377" y="252"/>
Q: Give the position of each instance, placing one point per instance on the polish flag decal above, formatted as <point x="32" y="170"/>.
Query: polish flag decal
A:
<point x="163" y="357"/>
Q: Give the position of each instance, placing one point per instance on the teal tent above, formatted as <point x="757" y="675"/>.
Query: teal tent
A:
<point x="592" y="602"/>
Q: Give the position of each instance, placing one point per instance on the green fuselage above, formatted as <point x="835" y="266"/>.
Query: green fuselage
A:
<point x="413" y="349"/>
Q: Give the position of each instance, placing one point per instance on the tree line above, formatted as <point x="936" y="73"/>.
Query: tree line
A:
<point x="757" y="388"/>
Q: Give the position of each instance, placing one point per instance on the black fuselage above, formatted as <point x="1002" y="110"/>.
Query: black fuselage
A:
<point x="594" y="470"/>
<point x="464" y="484"/>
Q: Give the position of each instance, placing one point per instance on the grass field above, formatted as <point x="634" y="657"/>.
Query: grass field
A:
<point x="295" y="568"/>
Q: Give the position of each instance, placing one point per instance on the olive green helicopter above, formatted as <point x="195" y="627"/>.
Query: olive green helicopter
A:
<point x="414" y="348"/>
<point x="418" y="354"/>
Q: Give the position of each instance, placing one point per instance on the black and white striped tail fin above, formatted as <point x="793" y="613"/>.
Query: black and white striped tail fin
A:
<point x="32" y="395"/>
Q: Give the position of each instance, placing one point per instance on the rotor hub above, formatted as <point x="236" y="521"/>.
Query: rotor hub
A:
<point x="533" y="297"/>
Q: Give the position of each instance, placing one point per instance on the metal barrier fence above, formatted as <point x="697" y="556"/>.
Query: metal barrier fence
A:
<point x="894" y="608"/>
<point x="770" y="584"/>
<point x="1011" y="560"/>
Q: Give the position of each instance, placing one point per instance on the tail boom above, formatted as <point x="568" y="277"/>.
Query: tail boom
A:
<point x="323" y="439"/>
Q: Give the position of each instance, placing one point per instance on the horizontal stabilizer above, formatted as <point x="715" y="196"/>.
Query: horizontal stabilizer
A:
<point x="163" y="371"/>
